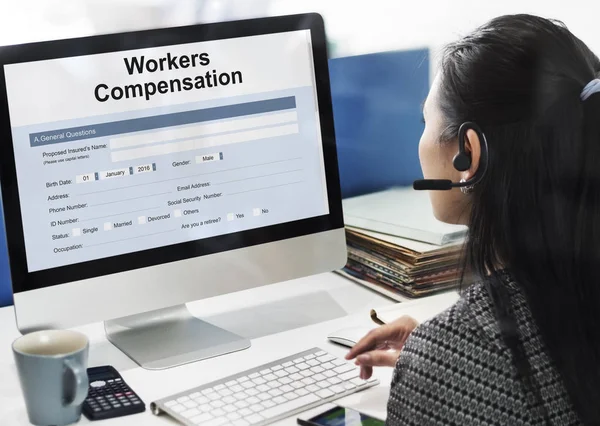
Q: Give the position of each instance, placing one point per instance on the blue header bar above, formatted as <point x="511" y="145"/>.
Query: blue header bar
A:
<point x="160" y="121"/>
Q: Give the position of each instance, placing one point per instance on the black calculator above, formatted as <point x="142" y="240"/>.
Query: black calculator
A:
<point x="109" y="396"/>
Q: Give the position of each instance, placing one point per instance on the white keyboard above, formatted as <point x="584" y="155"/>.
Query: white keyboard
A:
<point x="267" y="393"/>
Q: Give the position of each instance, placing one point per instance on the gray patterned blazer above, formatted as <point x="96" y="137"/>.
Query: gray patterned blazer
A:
<point x="456" y="370"/>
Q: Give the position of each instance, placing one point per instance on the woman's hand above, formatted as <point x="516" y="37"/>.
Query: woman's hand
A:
<point x="381" y="346"/>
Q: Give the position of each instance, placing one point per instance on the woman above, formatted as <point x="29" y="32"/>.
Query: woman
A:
<point x="522" y="346"/>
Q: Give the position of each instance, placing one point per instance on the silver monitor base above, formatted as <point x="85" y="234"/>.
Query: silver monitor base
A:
<point x="170" y="337"/>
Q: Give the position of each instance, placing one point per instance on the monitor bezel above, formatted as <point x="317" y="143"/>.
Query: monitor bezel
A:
<point x="23" y="280"/>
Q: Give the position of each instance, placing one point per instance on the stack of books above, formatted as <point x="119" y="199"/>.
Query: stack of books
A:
<point x="397" y="247"/>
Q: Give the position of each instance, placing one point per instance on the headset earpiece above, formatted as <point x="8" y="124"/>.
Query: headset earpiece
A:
<point x="462" y="161"/>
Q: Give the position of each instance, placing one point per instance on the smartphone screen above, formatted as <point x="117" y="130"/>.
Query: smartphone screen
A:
<point x="340" y="416"/>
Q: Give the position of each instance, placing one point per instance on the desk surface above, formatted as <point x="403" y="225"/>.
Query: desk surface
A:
<point x="281" y="319"/>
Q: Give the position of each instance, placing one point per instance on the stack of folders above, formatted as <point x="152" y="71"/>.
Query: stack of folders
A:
<point x="397" y="247"/>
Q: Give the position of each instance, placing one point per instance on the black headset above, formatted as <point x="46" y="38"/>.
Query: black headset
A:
<point x="461" y="162"/>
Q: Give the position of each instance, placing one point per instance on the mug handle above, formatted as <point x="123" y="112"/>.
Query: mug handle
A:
<point x="81" y="382"/>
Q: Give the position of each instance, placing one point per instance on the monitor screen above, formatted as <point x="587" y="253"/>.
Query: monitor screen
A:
<point x="132" y="150"/>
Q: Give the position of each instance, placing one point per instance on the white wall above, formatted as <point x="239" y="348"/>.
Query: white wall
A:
<point x="353" y="26"/>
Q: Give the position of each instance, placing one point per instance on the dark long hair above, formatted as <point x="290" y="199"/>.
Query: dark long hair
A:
<point x="537" y="211"/>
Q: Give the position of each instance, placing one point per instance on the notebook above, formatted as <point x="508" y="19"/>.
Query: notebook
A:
<point x="421" y="310"/>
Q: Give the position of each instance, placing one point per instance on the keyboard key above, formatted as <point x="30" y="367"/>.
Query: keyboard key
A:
<point x="285" y="380"/>
<point x="286" y="388"/>
<point x="279" y="400"/>
<point x="217" y="404"/>
<point x="334" y="380"/>
<point x="240" y="395"/>
<point x="243" y="379"/>
<point x="326" y="358"/>
<point x="290" y="396"/>
<point x="216" y="422"/>
<point x="324" y="384"/>
<point x="324" y="393"/>
<point x="306" y="373"/>
<point x="265" y="372"/>
<point x="301" y="392"/>
<point x="298" y="360"/>
<point x="328" y="366"/>
<point x="218" y="412"/>
<point x="313" y="388"/>
<point x="329" y="373"/>
<point x="349" y="375"/>
<point x="241" y="404"/>
<point x="254" y="418"/>
<point x="252" y="392"/>
<point x="225" y="392"/>
<point x="253" y="400"/>
<point x="344" y="368"/>
<point x="312" y="362"/>
<point x="297" y="385"/>
<point x="307" y="357"/>
<point x="281" y="373"/>
<point x="268" y="404"/>
<point x="257" y="408"/>
<point x="230" y="383"/>
<point x="248" y="385"/>
<point x="357" y="381"/>
<point x="201" y="418"/>
<point x="259" y="381"/>
<point x="337" y="389"/>
<point x="177" y="408"/>
<point x="349" y="385"/>
<point x="317" y="369"/>
<point x="286" y="407"/>
<point x="321" y="353"/>
<point x="319" y="377"/>
<point x="233" y="416"/>
<point x="240" y="422"/>
<point x="220" y="387"/>
<point x="195" y="395"/>
<point x="236" y="388"/>
<point x="291" y="370"/>
<point x="263" y="388"/>
<point x="229" y="400"/>
<point x="275" y="392"/>
<point x="188" y="414"/>
<point x="263" y="396"/>
<point x="207" y="391"/>
<point x="270" y="377"/>
<point x="296" y="377"/>
<point x="230" y="409"/>
<point x="308" y="381"/>
<point x="245" y="412"/>
<point x="287" y="364"/>
<point x="205" y="408"/>
<point x="190" y="404"/>
<point x="254" y="375"/>
<point x="276" y="368"/>
<point x="274" y="384"/>
<point x="338" y="361"/>
<point x="302" y="366"/>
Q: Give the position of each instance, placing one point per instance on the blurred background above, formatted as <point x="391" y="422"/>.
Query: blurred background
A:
<point x="383" y="56"/>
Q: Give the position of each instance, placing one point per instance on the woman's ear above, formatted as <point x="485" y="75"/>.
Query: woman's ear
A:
<point x="473" y="148"/>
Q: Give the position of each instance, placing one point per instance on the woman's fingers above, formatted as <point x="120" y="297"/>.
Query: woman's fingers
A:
<point x="378" y="359"/>
<point x="391" y="335"/>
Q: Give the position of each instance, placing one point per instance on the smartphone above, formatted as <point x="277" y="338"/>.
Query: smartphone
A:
<point x="340" y="416"/>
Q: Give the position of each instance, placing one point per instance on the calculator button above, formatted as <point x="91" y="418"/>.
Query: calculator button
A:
<point x="126" y="404"/>
<point x="137" y="402"/>
<point x="117" y="405"/>
<point x="118" y="380"/>
<point x="97" y="410"/>
<point x="110" y="381"/>
<point x="98" y="384"/>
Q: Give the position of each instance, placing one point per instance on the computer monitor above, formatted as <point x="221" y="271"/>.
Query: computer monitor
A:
<point x="147" y="169"/>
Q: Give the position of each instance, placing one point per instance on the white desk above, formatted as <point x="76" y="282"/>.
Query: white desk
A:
<point x="300" y="313"/>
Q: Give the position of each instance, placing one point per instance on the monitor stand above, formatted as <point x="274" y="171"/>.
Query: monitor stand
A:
<point x="170" y="337"/>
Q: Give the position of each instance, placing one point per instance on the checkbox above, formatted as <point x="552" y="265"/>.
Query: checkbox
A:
<point x="76" y="232"/>
<point x="107" y="226"/>
<point x="256" y="212"/>
<point x="177" y="213"/>
<point x="141" y="220"/>
<point x="230" y="216"/>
